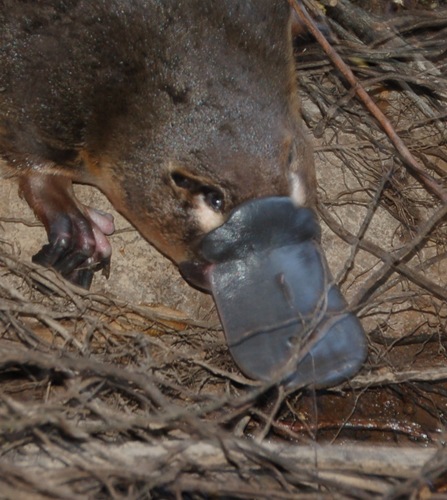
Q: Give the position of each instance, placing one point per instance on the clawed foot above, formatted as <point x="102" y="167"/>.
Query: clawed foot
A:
<point x="78" y="245"/>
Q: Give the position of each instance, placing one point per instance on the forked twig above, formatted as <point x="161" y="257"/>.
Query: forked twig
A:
<point x="408" y="159"/>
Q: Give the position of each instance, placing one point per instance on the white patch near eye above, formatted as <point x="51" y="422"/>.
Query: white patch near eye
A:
<point x="207" y="218"/>
<point x="298" y="191"/>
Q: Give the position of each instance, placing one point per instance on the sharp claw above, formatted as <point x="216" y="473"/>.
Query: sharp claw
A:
<point x="78" y="247"/>
<point x="82" y="278"/>
<point x="105" y="267"/>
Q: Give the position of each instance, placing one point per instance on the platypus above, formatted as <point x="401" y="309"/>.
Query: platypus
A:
<point x="185" y="114"/>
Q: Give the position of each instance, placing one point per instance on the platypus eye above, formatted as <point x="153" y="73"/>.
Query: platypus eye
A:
<point x="211" y="195"/>
<point x="213" y="198"/>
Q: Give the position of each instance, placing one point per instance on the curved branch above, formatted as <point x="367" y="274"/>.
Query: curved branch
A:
<point x="409" y="161"/>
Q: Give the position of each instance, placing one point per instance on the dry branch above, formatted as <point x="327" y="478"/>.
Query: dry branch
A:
<point x="410" y="162"/>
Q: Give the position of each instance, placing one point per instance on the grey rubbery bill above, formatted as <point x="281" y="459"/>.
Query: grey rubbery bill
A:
<point x="283" y="318"/>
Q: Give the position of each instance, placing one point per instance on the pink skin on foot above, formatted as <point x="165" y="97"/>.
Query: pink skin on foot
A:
<point x="102" y="226"/>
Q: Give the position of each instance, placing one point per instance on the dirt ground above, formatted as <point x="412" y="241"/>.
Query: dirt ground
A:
<point x="128" y="391"/>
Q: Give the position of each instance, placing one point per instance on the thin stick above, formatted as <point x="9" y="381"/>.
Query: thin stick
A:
<point x="409" y="161"/>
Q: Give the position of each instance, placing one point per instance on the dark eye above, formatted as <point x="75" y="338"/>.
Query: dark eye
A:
<point x="212" y="196"/>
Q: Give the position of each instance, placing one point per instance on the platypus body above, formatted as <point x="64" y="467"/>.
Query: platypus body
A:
<point x="185" y="114"/>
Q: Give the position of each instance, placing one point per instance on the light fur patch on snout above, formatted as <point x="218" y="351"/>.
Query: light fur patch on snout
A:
<point x="207" y="218"/>
<point x="298" y="190"/>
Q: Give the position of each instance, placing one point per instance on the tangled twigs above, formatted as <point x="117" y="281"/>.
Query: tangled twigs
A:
<point x="391" y="262"/>
<point x="409" y="161"/>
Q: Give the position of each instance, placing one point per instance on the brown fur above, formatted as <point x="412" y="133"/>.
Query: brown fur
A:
<point x="119" y="94"/>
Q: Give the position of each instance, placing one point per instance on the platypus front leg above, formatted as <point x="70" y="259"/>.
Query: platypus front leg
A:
<point x="78" y="245"/>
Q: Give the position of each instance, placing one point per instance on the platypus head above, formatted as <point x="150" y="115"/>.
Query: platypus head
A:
<point x="211" y="120"/>
<point x="220" y="177"/>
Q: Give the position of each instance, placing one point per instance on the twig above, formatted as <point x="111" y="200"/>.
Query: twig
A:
<point x="387" y="376"/>
<point x="391" y="262"/>
<point x="409" y="161"/>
